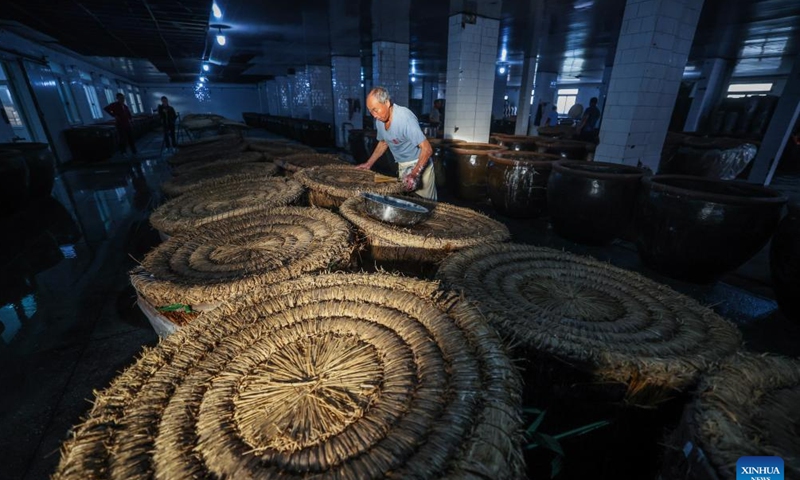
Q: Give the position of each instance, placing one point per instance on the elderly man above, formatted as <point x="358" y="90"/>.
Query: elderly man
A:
<point x="398" y="130"/>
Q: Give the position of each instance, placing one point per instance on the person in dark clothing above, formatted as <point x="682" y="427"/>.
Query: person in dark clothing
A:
<point x="168" y="116"/>
<point x="587" y="130"/>
<point x="124" y="121"/>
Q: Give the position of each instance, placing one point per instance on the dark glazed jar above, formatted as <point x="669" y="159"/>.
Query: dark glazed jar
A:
<point x="517" y="182"/>
<point x="696" y="229"/>
<point x="519" y="143"/>
<point x="41" y="166"/>
<point x="569" y="149"/>
<point x="14" y="181"/>
<point x="592" y="202"/>
<point x="439" y="156"/>
<point x="784" y="262"/>
<point x="470" y="162"/>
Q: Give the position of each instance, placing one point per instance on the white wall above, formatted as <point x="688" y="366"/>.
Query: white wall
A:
<point x="228" y="100"/>
<point x="35" y="71"/>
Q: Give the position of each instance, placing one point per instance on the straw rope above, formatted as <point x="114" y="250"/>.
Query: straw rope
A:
<point x="224" y="159"/>
<point x="228" y="258"/>
<point x="749" y="407"/>
<point x="334" y="376"/>
<point x="297" y="162"/>
<point x="221" y="200"/>
<point x="331" y="185"/>
<point x="277" y="148"/>
<point x="217" y="173"/>
<point x="208" y="151"/>
<point x="620" y="325"/>
<point x="449" y="228"/>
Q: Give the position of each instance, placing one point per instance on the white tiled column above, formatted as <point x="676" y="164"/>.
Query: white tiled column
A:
<point x="471" y="56"/>
<point x="301" y="93"/>
<point x="320" y="94"/>
<point x="653" y="46"/>
<point x="390" y="69"/>
<point x="348" y="97"/>
<point x="706" y="93"/>
<point x="390" y="35"/>
<point x="284" y="90"/>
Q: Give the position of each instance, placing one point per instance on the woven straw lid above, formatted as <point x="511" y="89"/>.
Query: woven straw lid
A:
<point x="278" y="148"/>
<point x="221" y="200"/>
<point x="229" y="257"/>
<point x="299" y="161"/>
<point x="749" y="407"/>
<point x="217" y="173"/>
<point x="616" y="323"/>
<point x="204" y="141"/>
<point x="333" y="184"/>
<point x="208" y="152"/>
<point x="224" y="159"/>
<point x="335" y="376"/>
<point x="447" y="229"/>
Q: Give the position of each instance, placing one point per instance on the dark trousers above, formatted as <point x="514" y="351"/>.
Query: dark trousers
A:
<point x="169" y="136"/>
<point x="125" y="134"/>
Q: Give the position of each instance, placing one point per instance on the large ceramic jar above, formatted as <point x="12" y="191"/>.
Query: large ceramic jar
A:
<point x="517" y="182"/>
<point x="519" y="143"/>
<point x="439" y="156"/>
<point x="592" y="202"/>
<point x="41" y="166"/>
<point x="569" y="149"/>
<point x="362" y="143"/>
<point x="784" y="261"/>
<point x="696" y="229"/>
<point x="14" y="181"/>
<point x="471" y="162"/>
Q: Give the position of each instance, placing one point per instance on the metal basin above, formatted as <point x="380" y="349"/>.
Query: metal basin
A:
<point x="394" y="210"/>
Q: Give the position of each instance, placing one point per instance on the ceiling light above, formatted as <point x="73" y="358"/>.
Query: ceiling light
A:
<point x="216" y="11"/>
<point x="220" y="37"/>
<point x="502" y="70"/>
<point x="413" y="79"/>
<point x="203" y="79"/>
<point x="205" y="67"/>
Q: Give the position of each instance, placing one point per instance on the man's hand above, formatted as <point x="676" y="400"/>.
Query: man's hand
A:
<point x="364" y="166"/>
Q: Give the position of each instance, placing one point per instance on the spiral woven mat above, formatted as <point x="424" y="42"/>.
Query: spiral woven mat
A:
<point x="625" y="327"/>
<point x="219" y="160"/>
<point x="221" y="200"/>
<point x="208" y="151"/>
<point x="331" y="185"/>
<point x="277" y="149"/>
<point x="297" y="162"/>
<point x="335" y="376"/>
<point x="206" y="140"/>
<point x="216" y="173"/>
<point x="449" y="228"/>
<point x="228" y="258"/>
<point x="749" y="407"/>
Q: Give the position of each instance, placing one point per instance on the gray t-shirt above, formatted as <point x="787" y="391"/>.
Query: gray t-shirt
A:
<point x="403" y="136"/>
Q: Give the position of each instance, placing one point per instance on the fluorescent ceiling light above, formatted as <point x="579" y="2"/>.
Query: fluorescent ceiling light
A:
<point x="216" y="11"/>
<point x="221" y="39"/>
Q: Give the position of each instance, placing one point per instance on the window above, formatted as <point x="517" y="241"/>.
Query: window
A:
<point x="68" y="101"/>
<point x="139" y="102"/>
<point x="132" y="103"/>
<point x="566" y="99"/>
<point x="91" y="96"/>
<point x="741" y="90"/>
<point x="109" y="95"/>
<point x="8" y="105"/>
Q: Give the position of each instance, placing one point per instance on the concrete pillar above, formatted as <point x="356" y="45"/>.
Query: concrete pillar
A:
<point x="390" y="35"/>
<point x="536" y="22"/>
<point x="428" y="92"/>
<point x="300" y="93"/>
<point x="273" y="97"/>
<point x="348" y="94"/>
<point x="652" y="50"/>
<point x="544" y="90"/>
<point x="499" y="92"/>
<point x="320" y="95"/>
<point x="779" y="130"/>
<point x="707" y="92"/>
<point x="471" y="57"/>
